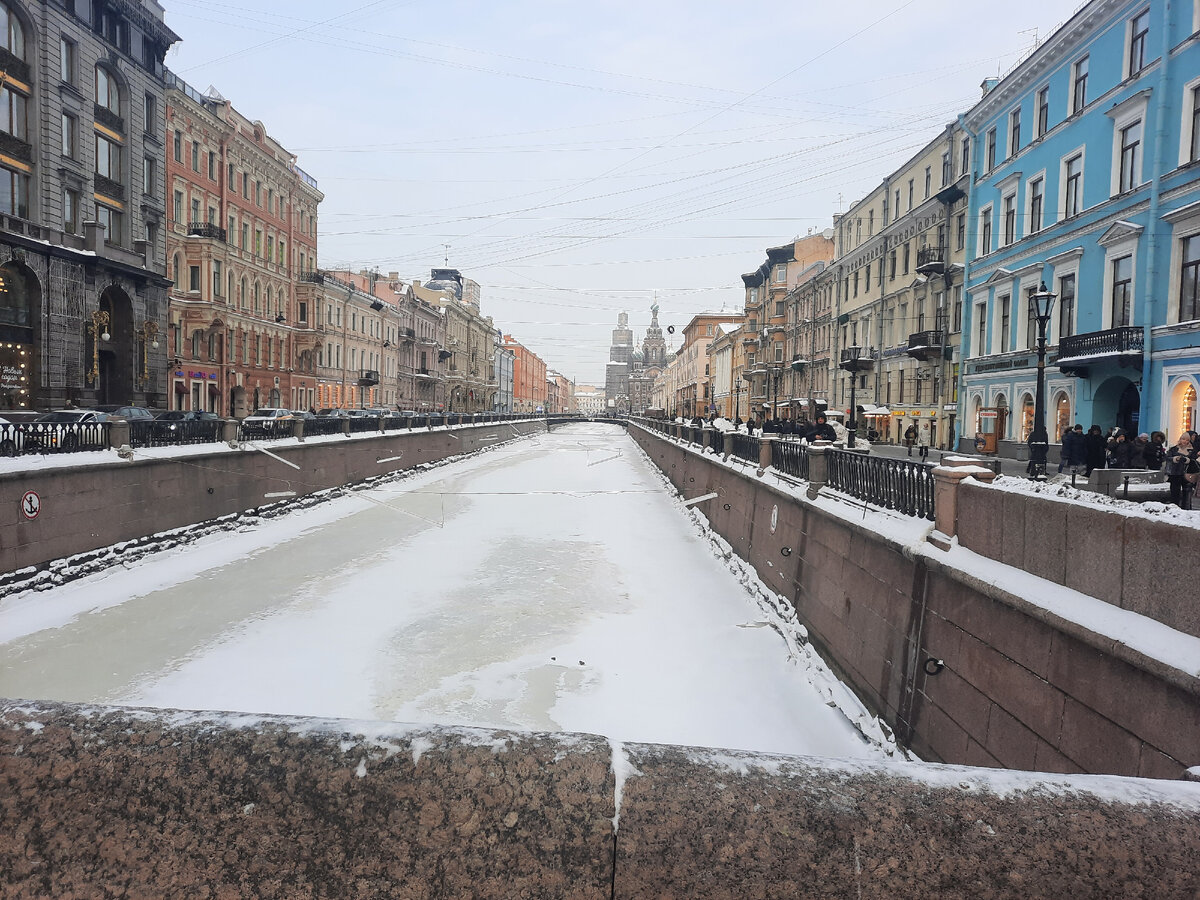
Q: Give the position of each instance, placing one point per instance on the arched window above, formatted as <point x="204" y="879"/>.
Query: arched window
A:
<point x="108" y="94"/>
<point x="14" y="33"/>
<point x="242" y="294"/>
<point x="1027" y="409"/>
<point x="196" y="336"/>
<point x="175" y="267"/>
<point x="1062" y="416"/>
<point x="257" y="299"/>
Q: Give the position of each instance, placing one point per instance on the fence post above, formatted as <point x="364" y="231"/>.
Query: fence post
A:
<point x="818" y="468"/>
<point x="298" y="429"/>
<point x="946" y="479"/>
<point x="766" y="447"/>
<point x="229" y="431"/>
<point x="706" y="437"/>
<point x="727" y="443"/>
<point x="118" y="433"/>
<point x="345" y="424"/>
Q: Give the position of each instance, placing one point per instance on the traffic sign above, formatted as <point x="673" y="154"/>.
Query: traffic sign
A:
<point x="31" y="505"/>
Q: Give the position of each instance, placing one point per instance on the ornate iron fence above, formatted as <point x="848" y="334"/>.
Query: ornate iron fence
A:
<point x="53" y="437"/>
<point x="791" y="458"/>
<point x="746" y="447"/>
<point x="170" y="433"/>
<point x="323" y="425"/>
<point x="361" y="424"/>
<point x="268" y="431"/>
<point x="898" y="484"/>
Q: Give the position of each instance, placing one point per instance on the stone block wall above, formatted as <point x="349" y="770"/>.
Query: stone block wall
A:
<point x="1016" y="688"/>
<point x="95" y="506"/>
<point x="1135" y="562"/>
<point x="136" y="803"/>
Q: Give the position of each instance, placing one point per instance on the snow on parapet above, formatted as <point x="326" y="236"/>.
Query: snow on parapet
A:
<point x="622" y="768"/>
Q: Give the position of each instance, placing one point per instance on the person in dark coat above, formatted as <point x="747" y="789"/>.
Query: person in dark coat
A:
<point x="1120" y="451"/>
<point x="1073" y="452"/>
<point x="1155" y="453"/>
<point x="1137" y="457"/>
<point x="910" y="437"/>
<point x="1095" y="449"/>
<point x="822" y="431"/>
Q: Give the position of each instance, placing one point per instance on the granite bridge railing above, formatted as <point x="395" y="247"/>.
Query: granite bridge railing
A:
<point x="106" y="802"/>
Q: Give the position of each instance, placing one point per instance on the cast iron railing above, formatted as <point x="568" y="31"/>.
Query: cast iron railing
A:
<point x="53" y="437"/>
<point x="1127" y="339"/>
<point x="266" y="431"/>
<point x="791" y="458"/>
<point x="360" y="424"/>
<point x="746" y="447"/>
<point x="323" y="425"/>
<point x="170" y="433"/>
<point x="897" y="484"/>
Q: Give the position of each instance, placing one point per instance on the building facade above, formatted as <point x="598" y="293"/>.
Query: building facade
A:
<point x="1086" y="168"/>
<point x="83" y="292"/>
<point x="529" y="378"/>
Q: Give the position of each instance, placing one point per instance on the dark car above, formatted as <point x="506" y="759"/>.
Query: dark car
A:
<point x="67" y="430"/>
<point x="170" y="424"/>
<point x="132" y="413"/>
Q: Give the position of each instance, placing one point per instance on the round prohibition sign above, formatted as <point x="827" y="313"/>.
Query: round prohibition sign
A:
<point x="31" y="505"/>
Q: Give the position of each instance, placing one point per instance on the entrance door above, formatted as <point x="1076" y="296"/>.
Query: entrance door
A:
<point x="1128" y="409"/>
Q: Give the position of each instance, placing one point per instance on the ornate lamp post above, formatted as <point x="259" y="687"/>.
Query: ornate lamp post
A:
<point x="1041" y="302"/>
<point x="852" y="363"/>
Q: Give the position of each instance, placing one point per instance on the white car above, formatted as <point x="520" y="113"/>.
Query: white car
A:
<point x="270" y="420"/>
<point x="12" y="437"/>
<point x="68" y="430"/>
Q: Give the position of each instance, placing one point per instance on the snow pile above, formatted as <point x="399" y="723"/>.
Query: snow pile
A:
<point x="1059" y="489"/>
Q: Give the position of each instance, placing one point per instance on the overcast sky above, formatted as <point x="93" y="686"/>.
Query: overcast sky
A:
<point x="580" y="159"/>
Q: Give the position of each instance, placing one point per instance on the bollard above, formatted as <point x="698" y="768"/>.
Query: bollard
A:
<point x="727" y="444"/>
<point x="229" y="431"/>
<point x="298" y="429"/>
<point x="766" y="447"/>
<point x="118" y="433"/>
<point x="818" y="468"/>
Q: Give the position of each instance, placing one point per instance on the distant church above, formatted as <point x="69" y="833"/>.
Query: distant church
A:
<point x="630" y="375"/>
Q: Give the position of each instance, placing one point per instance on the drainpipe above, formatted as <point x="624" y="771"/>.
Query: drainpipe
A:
<point x="968" y="325"/>
<point x="1154" y="225"/>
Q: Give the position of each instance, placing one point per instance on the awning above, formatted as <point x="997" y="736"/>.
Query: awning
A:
<point x="180" y="387"/>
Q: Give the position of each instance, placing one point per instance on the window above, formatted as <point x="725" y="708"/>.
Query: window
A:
<point x="1073" y="184"/>
<point x="960" y="230"/>
<point x="1066" y="306"/>
<point x="1122" y="295"/>
<point x="70" y="132"/>
<point x="229" y="179"/>
<point x="70" y="211"/>
<point x="177" y="146"/>
<point x="195" y="210"/>
<point x="885" y="210"/>
<point x="216" y="278"/>
<point x="928" y="180"/>
<point x="985" y="231"/>
<point x="910" y="193"/>
<point x="966" y="155"/>
<point x="1010" y="219"/>
<point x="956" y="320"/>
<point x="892" y="265"/>
<point x="151" y="113"/>
<point x="108" y="95"/>
<point x="1131" y="140"/>
<point x="870" y="222"/>
<point x="177" y="207"/>
<point x="1005" y="321"/>
<point x="111" y="220"/>
<point x="906" y="258"/>
<point x="947" y="169"/>
<point x="990" y="153"/>
<point x="14" y="113"/>
<point x="1189" y="282"/>
<point x="212" y="166"/>
<point x="1079" y="86"/>
<point x="1014" y="132"/>
<point x="108" y="158"/>
<point x="1043" y="111"/>
<point x="1194" y="154"/>
<point x="258" y="193"/>
<point x="149" y="175"/>
<point x="981" y="334"/>
<point x="1139" y="30"/>
<point x="780" y="274"/>
<point x="1037" y="200"/>
<point x="245" y="185"/>
<point x="245" y="236"/>
<point x="195" y="156"/>
<point x="66" y="60"/>
<point x="193" y="278"/>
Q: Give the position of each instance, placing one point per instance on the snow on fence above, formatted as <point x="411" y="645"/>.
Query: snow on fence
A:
<point x="896" y="484"/>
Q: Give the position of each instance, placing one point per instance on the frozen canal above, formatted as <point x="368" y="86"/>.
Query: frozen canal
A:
<point x="552" y="583"/>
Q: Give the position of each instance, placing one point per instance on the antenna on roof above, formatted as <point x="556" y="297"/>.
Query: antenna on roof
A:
<point x="447" y="248"/>
<point x="213" y="94"/>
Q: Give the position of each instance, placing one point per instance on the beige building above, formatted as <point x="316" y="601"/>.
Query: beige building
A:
<point x="694" y="390"/>
<point x="900" y="264"/>
<point x="471" y="341"/>
<point x="590" y="400"/>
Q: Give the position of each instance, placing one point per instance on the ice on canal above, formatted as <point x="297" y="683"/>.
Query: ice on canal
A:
<point x="551" y="583"/>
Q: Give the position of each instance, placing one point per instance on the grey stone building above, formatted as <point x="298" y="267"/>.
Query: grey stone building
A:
<point x="83" y="292"/>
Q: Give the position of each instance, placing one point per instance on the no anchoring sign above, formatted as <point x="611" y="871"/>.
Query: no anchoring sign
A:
<point x="31" y="505"/>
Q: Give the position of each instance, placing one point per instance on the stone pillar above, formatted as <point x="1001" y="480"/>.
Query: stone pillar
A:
<point x="229" y="431"/>
<point x="118" y="433"/>
<point x="818" y="468"/>
<point x="766" y="447"/>
<point x="946" y="480"/>
<point x="727" y="444"/>
<point x="706" y="437"/>
<point x="93" y="237"/>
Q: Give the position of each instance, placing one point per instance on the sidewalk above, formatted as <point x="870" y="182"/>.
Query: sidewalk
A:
<point x="1007" y="466"/>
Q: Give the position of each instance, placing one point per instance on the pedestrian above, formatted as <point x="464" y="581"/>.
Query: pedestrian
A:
<point x="910" y="438"/>
<point x="1120" y="451"/>
<point x="1155" y="453"/>
<point x="822" y="431"/>
<point x="1137" y="457"/>
<point x="1075" y="450"/>
<point x="1095" y="450"/>
<point x="1183" y="470"/>
<point x="1064" y="446"/>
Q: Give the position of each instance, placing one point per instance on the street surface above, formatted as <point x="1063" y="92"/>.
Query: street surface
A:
<point x="553" y="583"/>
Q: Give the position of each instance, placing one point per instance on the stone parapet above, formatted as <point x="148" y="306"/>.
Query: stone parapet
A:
<point x="106" y="801"/>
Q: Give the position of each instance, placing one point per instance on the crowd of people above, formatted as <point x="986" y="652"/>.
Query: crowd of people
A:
<point x="1083" y="453"/>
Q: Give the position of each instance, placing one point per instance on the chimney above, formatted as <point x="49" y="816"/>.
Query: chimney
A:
<point x="989" y="85"/>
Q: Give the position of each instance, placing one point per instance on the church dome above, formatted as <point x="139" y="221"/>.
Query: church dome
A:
<point x="637" y="357"/>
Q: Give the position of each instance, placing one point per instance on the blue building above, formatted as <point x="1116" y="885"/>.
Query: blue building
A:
<point x="1086" y="177"/>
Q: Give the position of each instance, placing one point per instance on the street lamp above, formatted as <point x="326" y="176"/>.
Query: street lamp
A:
<point x="852" y="363"/>
<point x="1041" y="302"/>
<point x="776" y="375"/>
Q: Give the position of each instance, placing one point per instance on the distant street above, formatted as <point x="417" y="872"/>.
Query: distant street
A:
<point x="551" y="584"/>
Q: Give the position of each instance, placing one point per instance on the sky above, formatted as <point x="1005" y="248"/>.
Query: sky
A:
<point x="580" y="160"/>
<point x="596" y="607"/>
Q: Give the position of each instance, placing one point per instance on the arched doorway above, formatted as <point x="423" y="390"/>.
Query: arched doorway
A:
<point x="115" y="357"/>
<point x="1001" y="404"/>
<point x="20" y="313"/>
<point x="1117" y="402"/>
<point x="1027" y="412"/>
<point x="1062" y="416"/>
<point x="1181" y="412"/>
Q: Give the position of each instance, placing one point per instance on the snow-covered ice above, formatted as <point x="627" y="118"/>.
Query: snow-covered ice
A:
<point x="554" y="583"/>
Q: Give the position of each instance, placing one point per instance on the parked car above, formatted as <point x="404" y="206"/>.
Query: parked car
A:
<point x="12" y="437"/>
<point x="303" y="414"/>
<point x="166" y="424"/>
<point x="332" y="412"/>
<point x="269" y="419"/>
<point x="132" y="413"/>
<point x="60" y="430"/>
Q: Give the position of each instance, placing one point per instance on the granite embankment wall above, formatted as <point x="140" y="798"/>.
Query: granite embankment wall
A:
<point x="966" y="670"/>
<point x="99" y="504"/>
<point x="100" y="802"/>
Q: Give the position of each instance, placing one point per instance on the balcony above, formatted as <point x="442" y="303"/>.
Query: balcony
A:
<point x="1077" y="353"/>
<point x="407" y="334"/>
<point x="312" y="277"/>
<point x="931" y="260"/>
<point x="926" y="345"/>
<point x="206" y="230"/>
<point x="856" y="359"/>
<point x="368" y="378"/>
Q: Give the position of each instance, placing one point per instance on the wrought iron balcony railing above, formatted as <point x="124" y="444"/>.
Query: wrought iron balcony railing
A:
<point x="206" y="230"/>
<point x="931" y="260"/>
<point x="1075" y="353"/>
<point x="368" y="377"/>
